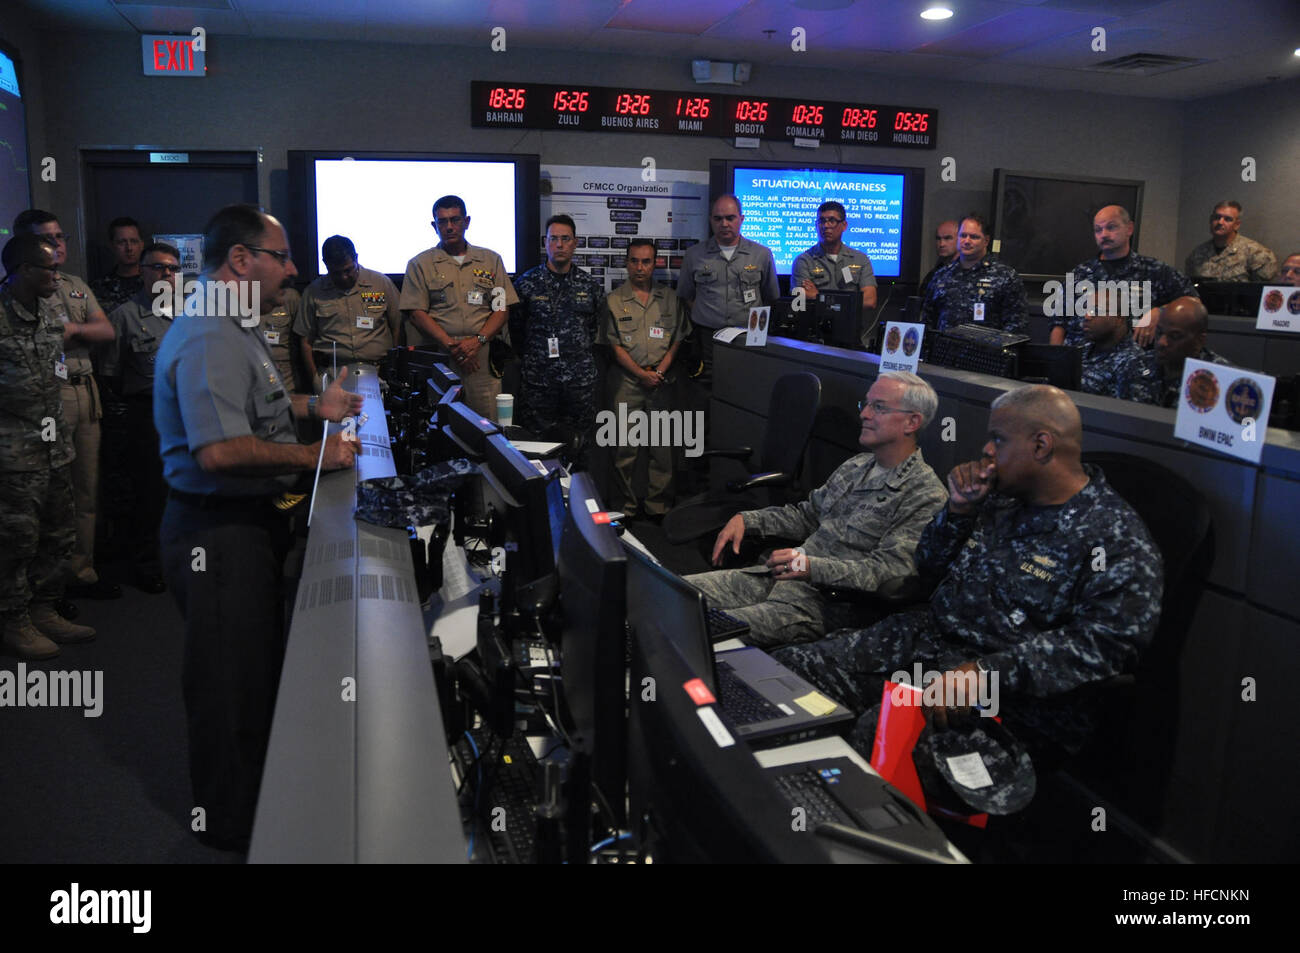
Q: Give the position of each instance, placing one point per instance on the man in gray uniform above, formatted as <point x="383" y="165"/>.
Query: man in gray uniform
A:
<point x="1180" y="334"/>
<point x="350" y="312"/>
<point x="127" y="366"/>
<point x="35" y="456"/>
<point x="859" y="530"/>
<point x="723" y="278"/>
<point x="225" y="420"/>
<point x="644" y="326"/>
<point x="830" y="265"/>
<point x="84" y="326"/>
<point x="1113" y="366"/>
<point x="1228" y="255"/>
<point x="1049" y="583"/>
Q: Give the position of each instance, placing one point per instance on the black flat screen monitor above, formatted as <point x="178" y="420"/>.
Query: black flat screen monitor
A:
<point x="593" y="639"/>
<point x="1042" y="221"/>
<point x="662" y="603"/>
<point x="470" y="428"/>
<point x="1058" y="365"/>
<point x="383" y="201"/>
<point x="530" y="549"/>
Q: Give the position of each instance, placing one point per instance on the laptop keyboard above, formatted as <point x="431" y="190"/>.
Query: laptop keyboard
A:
<point x="807" y="789"/>
<point x="513" y="780"/>
<point x="724" y="626"/>
<point x="743" y="704"/>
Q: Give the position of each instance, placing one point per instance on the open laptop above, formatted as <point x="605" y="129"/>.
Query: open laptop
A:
<point x="767" y="703"/>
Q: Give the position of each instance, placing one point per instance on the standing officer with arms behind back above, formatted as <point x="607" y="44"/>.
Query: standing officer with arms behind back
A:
<point x="225" y="421"/>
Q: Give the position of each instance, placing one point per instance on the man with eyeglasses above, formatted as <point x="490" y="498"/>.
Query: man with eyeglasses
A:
<point x="127" y="367"/>
<point x="1228" y="255"/>
<point x="559" y="304"/>
<point x="36" y="454"/>
<point x="226" y="426"/>
<point x="124" y="280"/>
<point x="85" y="326"/>
<point x="349" y="312"/>
<point x="859" y="529"/>
<point x="456" y="295"/>
<point x="830" y="265"/>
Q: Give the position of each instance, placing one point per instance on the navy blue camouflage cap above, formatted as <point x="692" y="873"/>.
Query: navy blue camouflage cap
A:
<point x="979" y="767"/>
<point x="422" y="499"/>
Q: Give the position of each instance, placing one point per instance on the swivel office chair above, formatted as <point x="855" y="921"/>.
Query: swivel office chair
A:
<point x="790" y="413"/>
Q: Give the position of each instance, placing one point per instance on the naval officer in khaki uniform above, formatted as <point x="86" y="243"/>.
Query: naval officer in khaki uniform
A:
<point x="349" y="313"/>
<point x="84" y="326"/>
<point x="450" y="298"/>
<point x="643" y="324"/>
<point x="276" y="328"/>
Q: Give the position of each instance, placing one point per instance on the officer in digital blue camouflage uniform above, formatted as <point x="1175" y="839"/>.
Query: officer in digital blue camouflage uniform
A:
<point x="1229" y="255"/>
<point x="125" y="280"/>
<point x="127" y="366"/>
<point x="1180" y="334"/>
<point x="1112" y="227"/>
<point x="975" y="289"/>
<point x="945" y="244"/>
<point x="36" y="453"/>
<point x="560" y="305"/>
<point x="830" y="265"/>
<point x="859" y="530"/>
<point x="1050" y="581"/>
<point x="1113" y="366"/>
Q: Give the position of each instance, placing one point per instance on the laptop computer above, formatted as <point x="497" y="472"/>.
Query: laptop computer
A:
<point x="767" y="704"/>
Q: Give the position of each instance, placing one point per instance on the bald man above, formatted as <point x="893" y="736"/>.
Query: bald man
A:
<point x="1180" y="334"/>
<point x="1050" y="582"/>
<point x="1112" y="228"/>
<point x="945" y="246"/>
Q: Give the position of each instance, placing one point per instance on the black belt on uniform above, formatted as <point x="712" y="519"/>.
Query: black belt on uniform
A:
<point x="79" y="378"/>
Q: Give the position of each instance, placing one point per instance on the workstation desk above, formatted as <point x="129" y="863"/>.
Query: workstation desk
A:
<point x="1232" y="756"/>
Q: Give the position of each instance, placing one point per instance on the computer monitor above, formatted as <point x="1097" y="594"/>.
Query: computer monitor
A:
<point x="443" y="377"/>
<point x="593" y="640"/>
<point x="662" y="604"/>
<point x="1235" y="298"/>
<point x="1057" y="364"/>
<point x="697" y="793"/>
<point x="531" y="581"/>
<point x="453" y="395"/>
<point x="842" y="315"/>
<point x="470" y="428"/>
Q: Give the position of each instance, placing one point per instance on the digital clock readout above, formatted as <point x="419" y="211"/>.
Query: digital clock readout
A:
<point x="613" y="109"/>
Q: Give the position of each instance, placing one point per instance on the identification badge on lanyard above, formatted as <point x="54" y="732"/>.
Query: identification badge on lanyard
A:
<point x="366" y="322"/>
<point x="61" y="369"/>
<point x="272" y="337"/>
<point x="475" y="298"/>
<point x="847" y="272"/>
<point x="552" y="347"/>
<point x="656" y="332"/>
<point x="750" y="296"/>
<point x="979" y="310"/>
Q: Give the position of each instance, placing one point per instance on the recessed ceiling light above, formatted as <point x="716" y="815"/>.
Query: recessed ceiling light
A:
<point x="936" y="12"/>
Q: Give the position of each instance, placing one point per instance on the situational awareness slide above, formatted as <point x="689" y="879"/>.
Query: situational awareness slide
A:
<point x="14" y="191"/>
<point x="780" y="208"/>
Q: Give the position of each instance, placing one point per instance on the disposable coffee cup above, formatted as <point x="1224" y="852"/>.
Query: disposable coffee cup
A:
<point x="505" y="410"/>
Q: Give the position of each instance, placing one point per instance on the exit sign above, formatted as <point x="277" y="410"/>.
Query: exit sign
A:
<point x="171" y="56"/>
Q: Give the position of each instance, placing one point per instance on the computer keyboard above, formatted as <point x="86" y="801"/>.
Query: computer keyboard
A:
<point x="743" y="705"/>
<point x="507" y="806"/>
<point x="807" y="789"/>
<point x="969" y="347"/>
<point x="722" y="625"/>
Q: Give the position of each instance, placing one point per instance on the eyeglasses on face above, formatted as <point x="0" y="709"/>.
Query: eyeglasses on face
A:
<point x="159" y="266"/>
<point x="281" y="256"/>
<point x="878" y="407"/>
<point x="829" y="220"/>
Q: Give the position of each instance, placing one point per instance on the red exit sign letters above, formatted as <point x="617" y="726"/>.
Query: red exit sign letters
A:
<point x="172" y="55"/>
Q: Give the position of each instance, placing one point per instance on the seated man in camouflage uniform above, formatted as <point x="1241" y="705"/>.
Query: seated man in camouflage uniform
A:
<point x="1180" y="334"/>
<point x="1113" y="366"/>
<point x="1050" y="581"/>
<point x="1228" y="255"/>
<point x="859" y="530"/>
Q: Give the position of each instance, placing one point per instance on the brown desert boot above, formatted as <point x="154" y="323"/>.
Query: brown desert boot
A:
<point x="24" y="641"/>
<point x="53" y="626"/>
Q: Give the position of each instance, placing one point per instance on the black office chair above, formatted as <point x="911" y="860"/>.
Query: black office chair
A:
<point x="790" y="413"/>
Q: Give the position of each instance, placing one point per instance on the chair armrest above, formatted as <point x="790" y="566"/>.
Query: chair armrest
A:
<point x="755" y="480"/>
